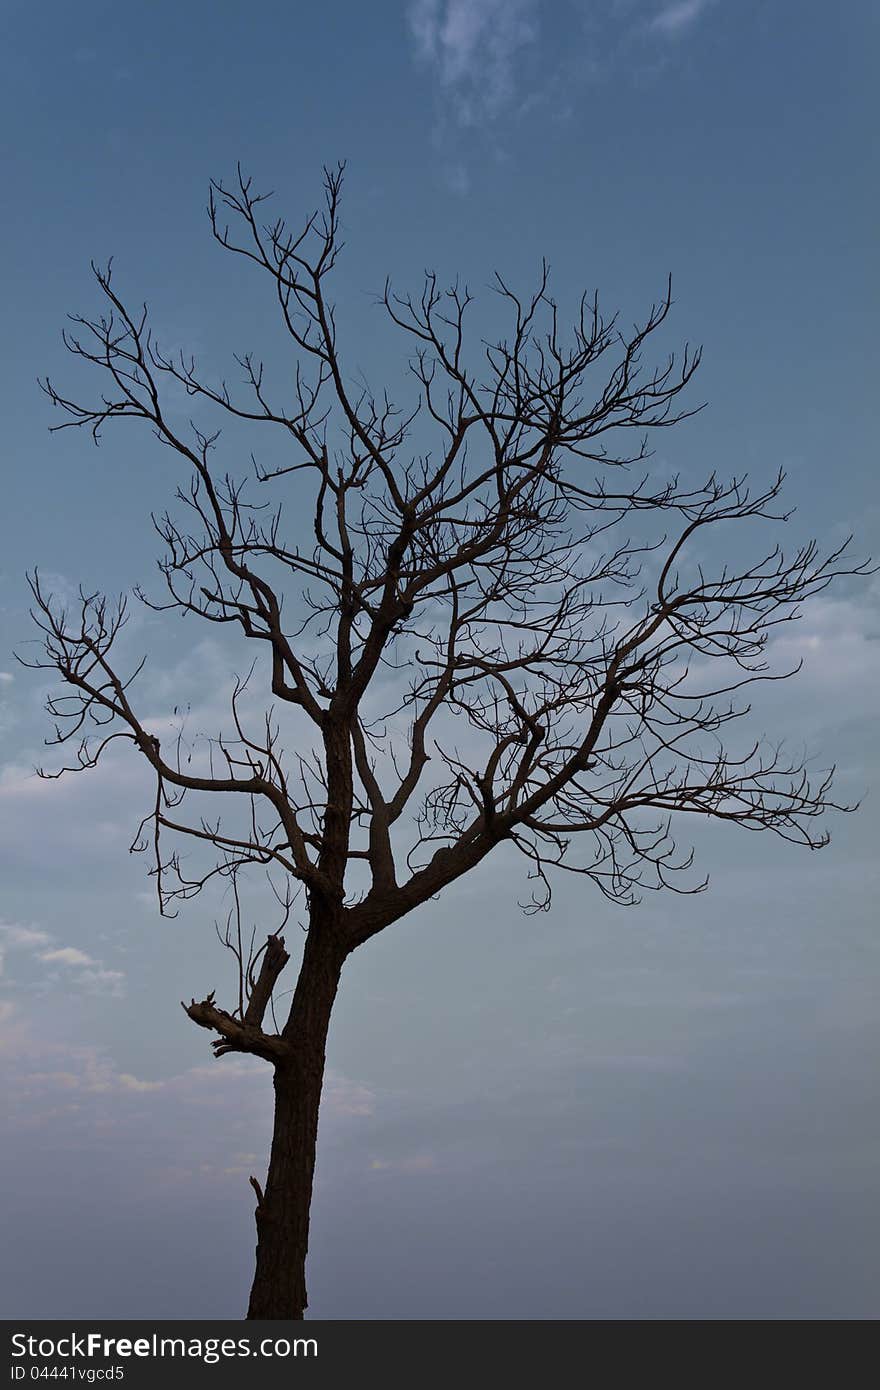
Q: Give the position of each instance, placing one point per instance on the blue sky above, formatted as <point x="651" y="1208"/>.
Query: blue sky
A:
<point x="665" y="1112"/>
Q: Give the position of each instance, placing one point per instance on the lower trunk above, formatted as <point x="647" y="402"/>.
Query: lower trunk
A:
<point x="279" y="1287"/>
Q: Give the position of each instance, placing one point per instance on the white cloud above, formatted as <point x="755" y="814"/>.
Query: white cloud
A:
<point x="676" y="18"/>
<point x="127" y="1082"/>
<point x="473" y="48"/>
<point x="492" y="61"/>
<point x="102" y="981"/>
<point x="85" y="972"/>
<point x="66" y="955"/>
<point x="27" y="938"/>
<point x="416" y="1163"/>
<point x="47" y="1080"/>
<point x="6" y="677"/>
<point x="838" y="642"/>
<point x="344" y="1097"/>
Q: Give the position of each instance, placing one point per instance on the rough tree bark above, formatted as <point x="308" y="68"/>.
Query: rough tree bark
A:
<point x="282" y="1212"/>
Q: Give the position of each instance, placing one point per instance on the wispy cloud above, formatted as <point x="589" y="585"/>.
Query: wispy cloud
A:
<point x="45" y="1078"/>
<point x="28" y="938"/>
<point x="676" y="18"/>
<point x="345" y="1097"/>
<point x="66" y="955"/>
<point x="490" y="63"/>
<point x="64" y="964"/>
<point x="414" y="1163"/>
<point x="837" y="641"/>
<point x="473" y="49"/>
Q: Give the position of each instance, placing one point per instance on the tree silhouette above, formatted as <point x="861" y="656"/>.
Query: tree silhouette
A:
<point x="508" y="627"/>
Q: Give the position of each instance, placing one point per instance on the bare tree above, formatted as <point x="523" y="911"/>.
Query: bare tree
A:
<point x="505" y="632"/>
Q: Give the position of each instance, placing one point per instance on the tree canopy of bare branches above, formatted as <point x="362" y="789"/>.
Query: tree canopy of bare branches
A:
<point x="502" y="624"/>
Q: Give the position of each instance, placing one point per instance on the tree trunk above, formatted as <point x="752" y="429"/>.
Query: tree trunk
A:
<point x="282" y="1215"/>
